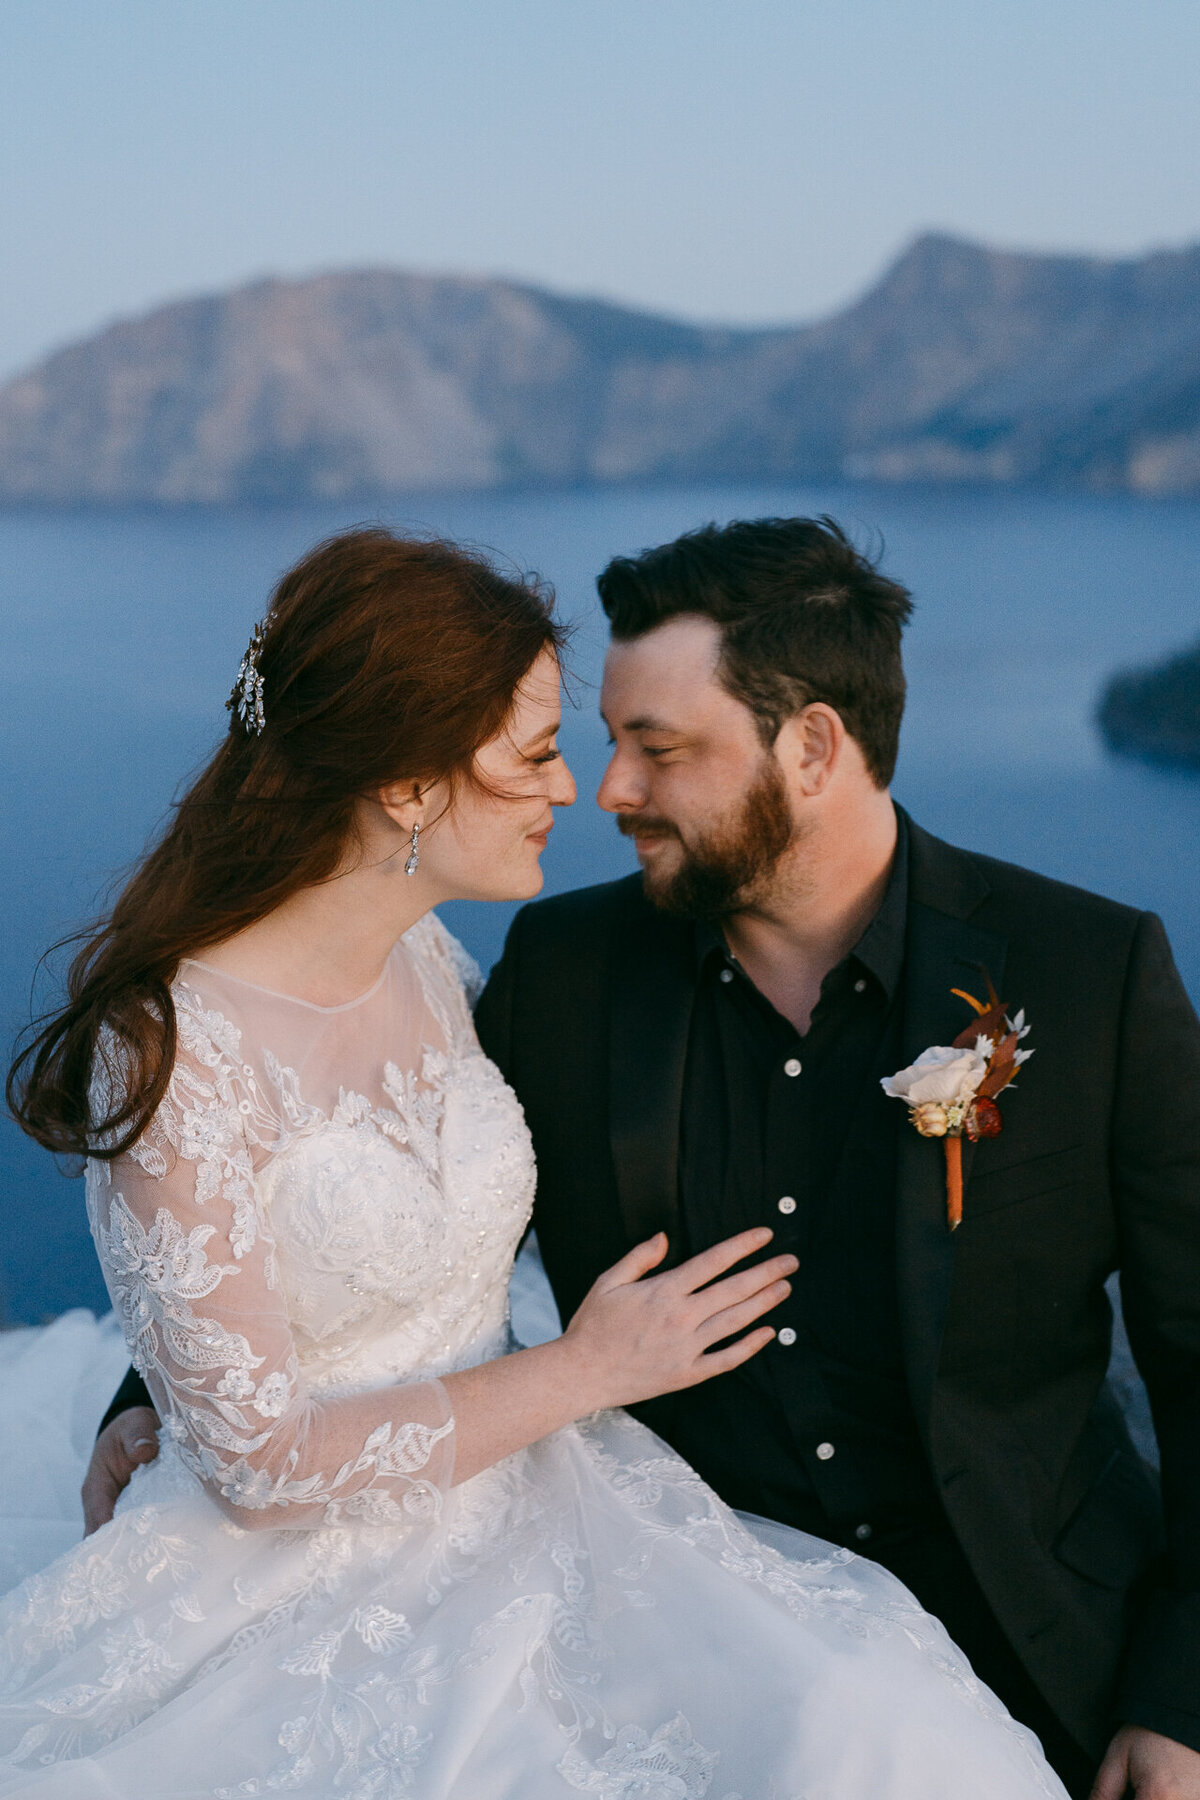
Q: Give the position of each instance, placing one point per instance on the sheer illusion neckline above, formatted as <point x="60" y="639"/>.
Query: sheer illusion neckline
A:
<point x="257" y="987"/>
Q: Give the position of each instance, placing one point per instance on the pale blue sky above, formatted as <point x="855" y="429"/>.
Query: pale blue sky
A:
<point x="725" y="159"/>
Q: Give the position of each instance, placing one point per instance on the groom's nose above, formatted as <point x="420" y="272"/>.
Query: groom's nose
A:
<point x="622" y="786"/>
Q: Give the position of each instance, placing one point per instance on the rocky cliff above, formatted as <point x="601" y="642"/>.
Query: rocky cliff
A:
<point x="962" y="364"/>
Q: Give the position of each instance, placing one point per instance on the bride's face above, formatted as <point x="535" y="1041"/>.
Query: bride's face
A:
<point x="486" y="843"/>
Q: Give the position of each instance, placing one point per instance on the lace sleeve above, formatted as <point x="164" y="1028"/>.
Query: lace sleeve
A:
<point x="190" y="1265"/>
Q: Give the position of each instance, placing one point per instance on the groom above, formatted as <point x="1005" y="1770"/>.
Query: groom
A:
<point x="700" y="1048"/>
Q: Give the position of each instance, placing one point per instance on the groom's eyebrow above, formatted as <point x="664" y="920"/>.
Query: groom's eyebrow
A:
<point x="647" y="722"/>
<point x="643" y="722"/>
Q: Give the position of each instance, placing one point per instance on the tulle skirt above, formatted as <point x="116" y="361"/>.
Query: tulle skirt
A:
<point x="55" y="1385"/>
<point x="585" y="1618"/>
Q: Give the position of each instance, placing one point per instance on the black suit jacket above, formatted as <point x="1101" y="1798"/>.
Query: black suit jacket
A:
<point x="1006" y="1324"/>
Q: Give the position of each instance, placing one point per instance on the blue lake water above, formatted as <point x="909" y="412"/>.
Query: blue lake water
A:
<point x="120" y="636"/>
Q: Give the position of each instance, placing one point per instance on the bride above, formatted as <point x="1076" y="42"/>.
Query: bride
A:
<point x="382" y="1553"/>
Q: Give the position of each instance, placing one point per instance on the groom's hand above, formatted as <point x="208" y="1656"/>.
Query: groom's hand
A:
<point x="1153" y="1766"/>
<point x="129" y="1441"/>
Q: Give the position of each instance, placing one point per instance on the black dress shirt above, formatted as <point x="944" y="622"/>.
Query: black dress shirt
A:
<point x="795" y="1132"/>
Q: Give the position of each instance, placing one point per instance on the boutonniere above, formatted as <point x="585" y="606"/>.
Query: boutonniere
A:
<point x="951" y="1089"/>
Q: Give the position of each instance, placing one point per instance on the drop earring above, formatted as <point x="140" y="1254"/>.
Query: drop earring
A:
<point x="414" y="855"/>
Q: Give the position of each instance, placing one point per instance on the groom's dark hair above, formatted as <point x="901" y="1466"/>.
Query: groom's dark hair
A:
<point x="804" y="616"/>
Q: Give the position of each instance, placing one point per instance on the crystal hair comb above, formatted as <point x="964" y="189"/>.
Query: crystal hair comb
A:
<point x="246" y="700"/>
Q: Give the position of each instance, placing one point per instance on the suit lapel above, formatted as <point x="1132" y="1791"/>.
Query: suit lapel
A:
<point x="652" y="990"/>
<point x="944" y="950"/>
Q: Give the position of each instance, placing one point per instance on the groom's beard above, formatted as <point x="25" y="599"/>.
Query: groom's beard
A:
<point x="720" y="871"/>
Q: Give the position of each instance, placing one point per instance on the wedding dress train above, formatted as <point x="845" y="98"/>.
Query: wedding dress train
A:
<point x="294" y="1598"/>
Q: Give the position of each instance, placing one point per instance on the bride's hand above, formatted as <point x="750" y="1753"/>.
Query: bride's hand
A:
<point x="637" y="1335"/>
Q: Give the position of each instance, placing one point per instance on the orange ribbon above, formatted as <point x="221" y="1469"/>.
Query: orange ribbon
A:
<point x="954" y="1182"/>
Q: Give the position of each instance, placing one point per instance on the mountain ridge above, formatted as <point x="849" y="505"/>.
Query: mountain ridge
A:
<point x="961" y="364"/>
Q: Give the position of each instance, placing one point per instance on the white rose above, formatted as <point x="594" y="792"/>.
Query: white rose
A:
<point x="943" y="1075"/>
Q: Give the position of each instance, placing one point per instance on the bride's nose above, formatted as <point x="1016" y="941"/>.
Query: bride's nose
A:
<point x="562" y="784"/>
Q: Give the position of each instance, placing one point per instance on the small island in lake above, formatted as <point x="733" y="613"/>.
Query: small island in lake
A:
<point x="1155" y="713"/>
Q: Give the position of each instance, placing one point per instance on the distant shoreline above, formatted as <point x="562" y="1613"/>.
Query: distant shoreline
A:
<point x="413" y="503"/>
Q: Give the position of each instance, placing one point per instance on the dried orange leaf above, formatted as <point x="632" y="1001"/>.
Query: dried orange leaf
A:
<point x="989" y="1024"/>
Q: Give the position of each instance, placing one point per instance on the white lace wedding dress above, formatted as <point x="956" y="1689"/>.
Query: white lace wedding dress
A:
<point x="295" y="1599"/>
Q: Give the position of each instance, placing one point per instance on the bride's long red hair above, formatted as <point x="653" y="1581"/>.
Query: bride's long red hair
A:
<point x="384" y="658"/>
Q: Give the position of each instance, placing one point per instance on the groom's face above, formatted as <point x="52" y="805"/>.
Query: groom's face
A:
<point x="705" y="804"/>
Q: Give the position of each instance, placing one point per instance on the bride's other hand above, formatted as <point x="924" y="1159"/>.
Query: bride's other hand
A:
<point x="121" y="1447"/>
<point x="637" y="1335"/>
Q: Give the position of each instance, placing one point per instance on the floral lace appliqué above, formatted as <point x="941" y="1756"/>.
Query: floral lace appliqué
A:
<point x="668" y="1765"/>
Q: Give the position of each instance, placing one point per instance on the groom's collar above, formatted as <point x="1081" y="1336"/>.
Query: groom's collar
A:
<point x="880" y="949"/>
<point x="879" y="952"/>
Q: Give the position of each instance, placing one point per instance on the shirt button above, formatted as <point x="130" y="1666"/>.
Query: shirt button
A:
<point x="824" y="1452"/>
<point x="860" y="986"/>
<point x="726" y="974"/>
<point x="792" y="1066"/>
<point x="788" y="1336"/>
<point x="862" y="1532"/>
<point x="787" y="1204"/>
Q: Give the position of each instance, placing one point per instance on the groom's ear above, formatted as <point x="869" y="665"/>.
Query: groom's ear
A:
<point x="809" y="746"/>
